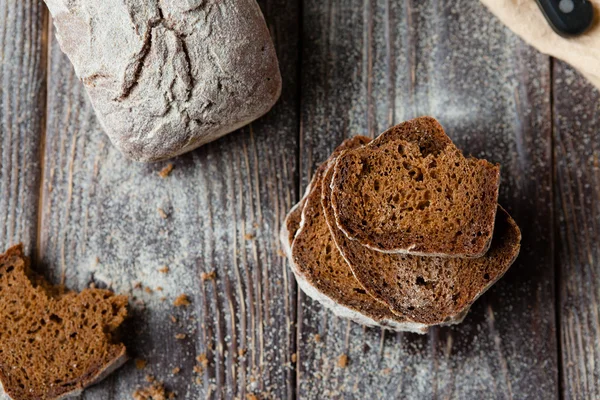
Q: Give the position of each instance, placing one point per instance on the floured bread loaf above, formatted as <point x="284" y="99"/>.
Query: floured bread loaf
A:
<point x="168" y="76"/>
<point x="412" y="191"/>
<point x="428" y="290"/>
<point x="53" y="343"/>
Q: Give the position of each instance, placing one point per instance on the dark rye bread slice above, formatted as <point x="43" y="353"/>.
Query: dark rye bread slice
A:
<point x="412" y="191"/>
<point x="321" y="271"/>
<point x="53" y="343"/>
<point x="427" y="290"/>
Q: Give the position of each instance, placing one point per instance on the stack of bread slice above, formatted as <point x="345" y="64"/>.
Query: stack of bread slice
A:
<point x="402" y="231"/>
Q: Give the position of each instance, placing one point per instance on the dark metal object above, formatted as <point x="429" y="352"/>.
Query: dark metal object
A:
<point x="568" y="17"/>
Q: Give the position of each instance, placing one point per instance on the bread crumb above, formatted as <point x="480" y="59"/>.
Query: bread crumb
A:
<point x="150" y="378"/>
<point x="171" y="395"/>
<point x="281" y="253"/>
<point x="318" y="338"/>
<point x="137" y="285"/>
<point x="242" y="352"/>
<point x="176" y="370"/>
<point x="163" y="298"/>
<point x="202" y="359"/>
<point x="251" y="397"/>
<point x="148" y="290"/>
<point x="294" y="358"/>
<point x="140" y="364"/>
<point x="182" y="301"/>
<point x="180" y="336"/>
<point x="92" y="285"/>
<point x="386" y="371"/>
<point x="154" y="392"/>
<point x="164" y="270"/>
<point x="198" y="381"/>
<point x="343" y="361"/>
<point x="198" y="369"/>
<point x="249" y="236"/>
<point x="173" y="319"/>
<point x="162" y="213"/>
<point x="166" y="171"/>
<point x="209" y="276"/>
<point x="159" y="289"/>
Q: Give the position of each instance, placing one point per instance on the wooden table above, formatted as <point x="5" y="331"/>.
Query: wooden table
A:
<point x="87" y="215"/>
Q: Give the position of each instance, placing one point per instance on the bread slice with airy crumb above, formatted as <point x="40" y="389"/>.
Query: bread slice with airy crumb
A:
<point x="412" y="191"/>
<point x="321" y="271"/>
<point x="427" y="290"/>
<point x="53" y="343"/>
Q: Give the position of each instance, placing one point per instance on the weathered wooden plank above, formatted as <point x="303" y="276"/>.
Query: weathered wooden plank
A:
<point x="577" y="177"/>
<point x="368" y="64"/>
<point x="112" y="222"/>
<point x="22" y="104"/>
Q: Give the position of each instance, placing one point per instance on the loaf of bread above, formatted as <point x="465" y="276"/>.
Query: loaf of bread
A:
<point x="53" y="343"/>
<point x="412" y="191"/>
<point x="168" y="76"/>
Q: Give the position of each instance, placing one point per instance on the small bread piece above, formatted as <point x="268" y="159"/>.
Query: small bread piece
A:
<point x="54" y="343"/>
<point x="428" y="290"/>
<point x="412" y="191"/>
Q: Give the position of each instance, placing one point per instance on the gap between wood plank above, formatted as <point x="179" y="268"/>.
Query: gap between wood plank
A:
<point x="555" y="234"/>
<point x="46" y="49"/>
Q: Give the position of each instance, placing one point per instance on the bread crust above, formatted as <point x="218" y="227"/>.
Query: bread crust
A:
<point x="166" y="77"/>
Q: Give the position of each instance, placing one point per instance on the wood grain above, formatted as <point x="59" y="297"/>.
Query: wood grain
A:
<point x="22" y="103"/>
<point x="369" y="64"/>
<point x="577" y="177"/>
<point x="115" y="223"/>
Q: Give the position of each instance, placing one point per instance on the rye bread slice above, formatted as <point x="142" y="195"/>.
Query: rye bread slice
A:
<point x="321" y="271"/>
<point x="427" y="290"/>
<point x="54" y="343"/>
<point x="412" y="191"/>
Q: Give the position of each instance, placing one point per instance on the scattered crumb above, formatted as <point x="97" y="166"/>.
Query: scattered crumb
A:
<point x="164" y="270"/>
<point x="251" y="397"/>
<point x="137" y="285"/>
<point x="180" y="336"/>
<point x="209" y="276"/>
<point x="318" y="338"/>
<point x="159" y="289"/>
<point x="154" y="392"/>
<point x="171" y="395"/>
<point x="198" y="381"/>
<point x="249" y="236"/>
<point x="92" y="285"/>
<point x="294" y="358"/>
<point x="197" y="369"/>
<point x="343" y="361"/>
<point x="163" y="299"/>
<point x="242" y="352"/>
<point x="281" y="253"/>
<point x="140" y="364"/>
<point x="202" y="359"/>
<point x="148" y="290"/>
<point x="173" y="319"/>
<point x="182" y="301"/>
<point x="150" y="378"/>
<point x="162" y="213"/>
<point x="176" y="370"/>
<point x="166" y="171"/>
<point x="386" y="371"/>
